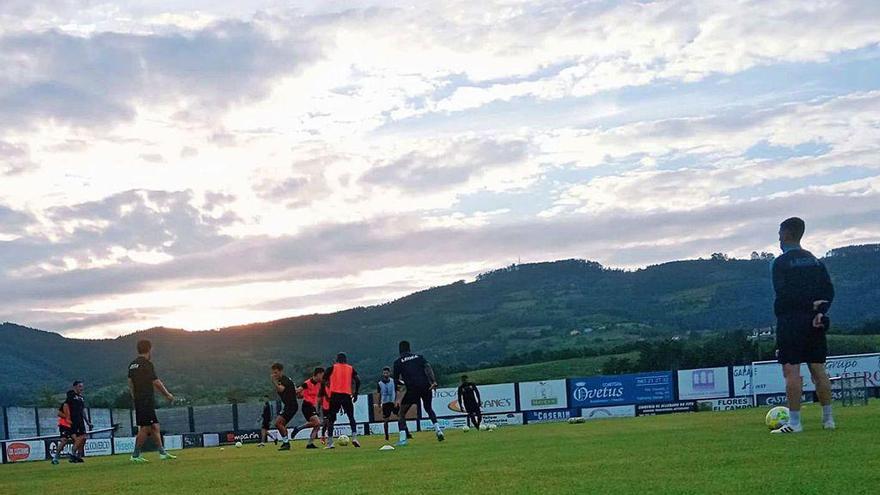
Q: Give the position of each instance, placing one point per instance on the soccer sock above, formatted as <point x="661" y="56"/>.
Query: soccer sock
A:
<point x="826" y="413"/>
<point x="795" y="418"/>
<point x="162" y="450"/>
<point x="402" y="435"/>
<point x="136" y="452"/>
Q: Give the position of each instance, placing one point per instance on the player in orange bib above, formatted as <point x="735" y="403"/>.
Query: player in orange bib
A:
<point x="343" y="384"/>
<point x="324" y="399"/>
<point x="308" y="392"/>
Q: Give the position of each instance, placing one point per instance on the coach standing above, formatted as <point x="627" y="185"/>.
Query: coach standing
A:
<point x="803" y="296"/>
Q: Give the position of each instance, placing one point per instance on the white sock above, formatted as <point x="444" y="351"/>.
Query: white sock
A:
<point x="826" y="414"/>
<point x="402" y="435"/>
<point x="438" y="428"/>
<point x="795" y="418"/>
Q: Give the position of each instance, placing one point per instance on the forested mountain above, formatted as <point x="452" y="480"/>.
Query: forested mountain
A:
<point x="507" y="312"/>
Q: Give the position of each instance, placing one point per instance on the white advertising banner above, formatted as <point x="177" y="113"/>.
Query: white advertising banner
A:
<point x="726" y="404"/>
<point x="628" y="411"/>
<point x="742" y="380"/>
<point x="172" y="442"/>
<point x="767" y="375"/>
<point x="511" y="419"/>
<point x="213" y="439"/>
<point x="98" y="446"/>
<point x="123" y="445"/>
<point x="32" y="450"/>
<point x="494" y="399"/>
<point x="704" y="383"/>
<point x="549" y="394"/>
<point x="379" y="428"/>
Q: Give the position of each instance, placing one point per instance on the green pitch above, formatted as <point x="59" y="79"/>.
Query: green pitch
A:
<point x="722" y="452"/>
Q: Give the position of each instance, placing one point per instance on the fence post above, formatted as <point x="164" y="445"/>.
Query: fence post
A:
<point x="5" y="424"/>
<point x="37" y="419"/>
<point x="192" y="420"/>
<point x="234" y="417"/>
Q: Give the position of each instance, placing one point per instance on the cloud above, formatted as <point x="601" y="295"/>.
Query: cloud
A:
<point x="14" y="158"/>
<point x="454" y="165"/>
<point x="102" y="78"/>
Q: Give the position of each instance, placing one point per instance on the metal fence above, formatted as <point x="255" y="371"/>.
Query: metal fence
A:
<point x="174" y="420"/>
<point x="213" y="418"/>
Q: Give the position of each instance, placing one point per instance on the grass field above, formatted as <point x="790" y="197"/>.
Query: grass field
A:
<point x="549" y="370"/>
<point x="722" y="452"/>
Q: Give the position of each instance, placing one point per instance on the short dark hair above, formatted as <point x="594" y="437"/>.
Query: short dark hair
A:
<point x="386" y="369"/>
<point x="278" y="366"/>
<point x="795" y="227"/>
<point x="404" y="346"/>
<point x="77" y="382"/>
<point x="317" y="370"/>
<point x="341" y="358"/>
<point x="464" y="377"/>
<point x="144" y="346"/>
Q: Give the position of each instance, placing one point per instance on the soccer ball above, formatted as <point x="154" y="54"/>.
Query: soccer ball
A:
<point x="777" y="417"/>
<point x="492" y="427"/>
<point x="572" y="421"/>
<point x="238" y="445"/>
<point x="465" y="428"/>
<point x="484" y="427"/>
<point x="343" y="440"/>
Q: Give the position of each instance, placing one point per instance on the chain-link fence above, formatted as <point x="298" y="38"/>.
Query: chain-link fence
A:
<point x="173" y="420"/>
<point x="213" y="418"/>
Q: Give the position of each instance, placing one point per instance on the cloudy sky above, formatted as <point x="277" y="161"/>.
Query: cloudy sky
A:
<point x="202" y="163"/>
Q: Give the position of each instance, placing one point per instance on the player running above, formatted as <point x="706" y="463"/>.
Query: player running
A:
<point x="339" y="379"/>
<point x="469" y="400"/>
<point x="65" y="430"/>
<point x="142" y="380"/>
<point x="414" y="374"/>
<point x="265" y="422"/>
<point x="287" y="392"/>
<point x="308" y="391"/>
<point x="387" y="391"/>
<point x="803" y="297"/>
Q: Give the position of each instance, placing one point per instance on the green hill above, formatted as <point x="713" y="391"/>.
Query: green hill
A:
<point x="522" y="310"/>
<point x="547" y="370"/>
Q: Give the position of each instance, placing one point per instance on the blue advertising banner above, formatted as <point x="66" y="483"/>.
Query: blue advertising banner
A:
<point x="551" y="416"/>
<point x="637" y="388"/>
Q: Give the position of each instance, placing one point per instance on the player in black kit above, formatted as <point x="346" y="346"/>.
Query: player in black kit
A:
<point x="414" y="374"/>
<point x="469" y="400"/>
<point x="287" y="392"/>
<point x="142" y="380"/>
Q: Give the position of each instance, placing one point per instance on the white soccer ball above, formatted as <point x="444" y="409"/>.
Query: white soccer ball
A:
<point x="484" y="427"/>
<point x="465" y="428"/>
<point x="343" y="440"/>
<point x="238" y="445"/>
<point x="777" y="417"/>
<point x="572" y="421"/>
<point x="492" y="427"/>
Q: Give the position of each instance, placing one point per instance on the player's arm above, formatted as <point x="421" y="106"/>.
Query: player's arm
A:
<point x="356" y="380"/>
<point x="65" y="411"/>
<point x="399" y="386"/>
<point x="825" y="296"/>
<point x="477" y="391"/>
<point x="429" y="371"/>
<point x="131" y="388"/>
<point x="158" y="385"/>
<point x="460" y="398"/>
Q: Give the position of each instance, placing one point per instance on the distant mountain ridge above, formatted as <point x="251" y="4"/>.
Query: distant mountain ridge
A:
<point x="514" y="310"/>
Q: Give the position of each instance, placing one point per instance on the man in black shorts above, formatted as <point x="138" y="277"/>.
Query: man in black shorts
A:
<point x="265" y="421"/>
<point x="803" y="297"/>
<point x="287" y="392"/>
<point x="469" y="400"/>
<point x="387" y="391"/>
<point x="343" y="384"/>
<point x="76" y="406"/>
<point x="65" y="430"/>
<point x="142" y="380"/>
<point x="414" y="374"/>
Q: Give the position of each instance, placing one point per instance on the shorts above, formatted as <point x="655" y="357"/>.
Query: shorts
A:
<point x="326" y="412"/>
<point x="309" y="410"/>
<point x="78" y="428"/>
<point x="388" y="409"/>
<point x="798" y="342"/>
<point x="65" y="432"/>
<point x="289" y="411"/>
<point x="472" y="407"/>
<point x="145" y="413"/>
<point x="414" y="396"/>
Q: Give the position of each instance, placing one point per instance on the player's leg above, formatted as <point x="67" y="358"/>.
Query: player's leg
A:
<point x="156" y="433"/>
<point x="427" y="397"/>
<point x="820" y="378"/>
<point x="335" y="406"/>
<point x="140" y="439"/>
<point x="348" y="407"/>
<point x="405" y="404"/>
<point x="79" y="442"/>
<point x="793" y="390"/>
<point x="281" y="423"/>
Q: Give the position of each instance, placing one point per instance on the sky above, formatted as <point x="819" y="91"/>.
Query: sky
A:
<point x="199" y="164"/>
